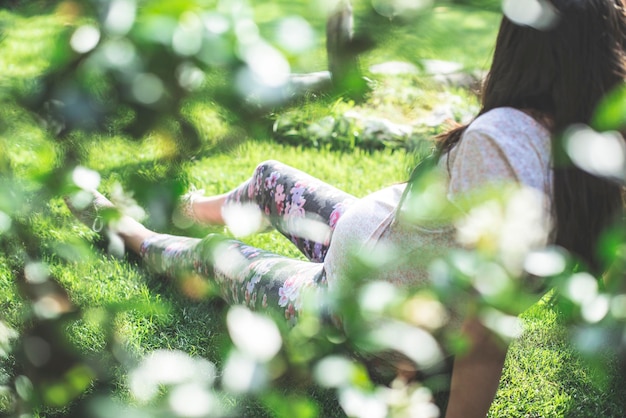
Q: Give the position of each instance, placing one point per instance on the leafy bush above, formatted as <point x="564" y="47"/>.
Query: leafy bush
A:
<point x="140" y="90"/>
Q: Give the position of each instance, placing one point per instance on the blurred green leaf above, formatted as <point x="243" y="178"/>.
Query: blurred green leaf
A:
<point x="611" y="112"/>
<point x="287" y="406"/>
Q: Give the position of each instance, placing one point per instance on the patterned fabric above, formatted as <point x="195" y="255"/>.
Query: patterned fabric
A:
<point x="302" y="208"/>
<point x="328" y="225"/>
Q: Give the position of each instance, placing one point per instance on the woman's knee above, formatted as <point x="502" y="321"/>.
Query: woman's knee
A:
<point x="268" y="165"/>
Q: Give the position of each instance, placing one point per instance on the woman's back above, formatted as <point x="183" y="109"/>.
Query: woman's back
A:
<point x="504" y="145"/>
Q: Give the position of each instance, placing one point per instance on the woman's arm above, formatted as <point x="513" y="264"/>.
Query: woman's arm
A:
<point x="476" y="373"/>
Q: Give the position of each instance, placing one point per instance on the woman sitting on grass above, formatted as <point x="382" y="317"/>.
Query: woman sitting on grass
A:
<point x="542" y="80"/>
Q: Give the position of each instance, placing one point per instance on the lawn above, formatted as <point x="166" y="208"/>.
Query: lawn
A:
<point x="124" y="305"/>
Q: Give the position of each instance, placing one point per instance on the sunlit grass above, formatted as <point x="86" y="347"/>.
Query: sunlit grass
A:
<point x="543" y="376"/>
<point x="429" y="37"/>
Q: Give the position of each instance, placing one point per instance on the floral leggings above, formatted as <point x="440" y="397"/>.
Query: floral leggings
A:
<point x="303" y="208"/>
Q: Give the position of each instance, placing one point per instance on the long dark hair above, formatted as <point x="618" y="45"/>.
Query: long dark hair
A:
<point x="561" y="74"/>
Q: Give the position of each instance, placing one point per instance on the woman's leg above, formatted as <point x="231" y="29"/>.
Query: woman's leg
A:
<point x="242" y="274"/>
<point x="301" y="207"/>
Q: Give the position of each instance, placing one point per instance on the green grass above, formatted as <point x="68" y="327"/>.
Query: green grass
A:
<point x="543" y="376"/>
<point x="429" y="37"/>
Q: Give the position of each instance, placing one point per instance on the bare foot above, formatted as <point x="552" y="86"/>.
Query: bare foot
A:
<point x="199" y="209"/>
<point x="101" y="215"/>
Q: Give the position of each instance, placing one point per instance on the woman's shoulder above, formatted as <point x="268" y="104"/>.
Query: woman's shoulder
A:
<point x="510" y="130"/>
<point x="507" y="121"/>
<point x="502" y="144"/>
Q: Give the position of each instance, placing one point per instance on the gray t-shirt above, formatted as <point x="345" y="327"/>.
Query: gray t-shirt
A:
<point x="504" y="145"/>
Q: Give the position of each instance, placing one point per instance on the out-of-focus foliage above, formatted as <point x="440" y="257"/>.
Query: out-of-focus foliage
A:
<point x="128" y="68"/>
<point x="144" y="59"/>
<point x="135" y="71"/>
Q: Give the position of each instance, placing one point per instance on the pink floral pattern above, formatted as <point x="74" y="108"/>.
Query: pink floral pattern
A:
<point x="264" y="281"/>
<point x="286" y="196"/>
<point x="260" y="279"/>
